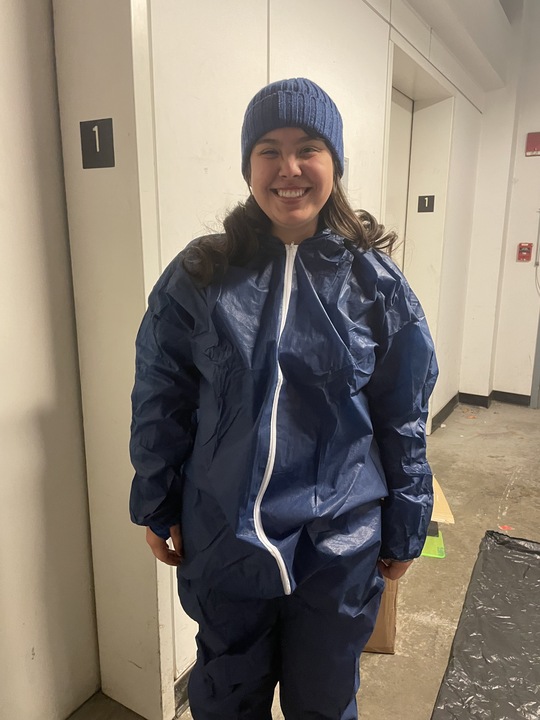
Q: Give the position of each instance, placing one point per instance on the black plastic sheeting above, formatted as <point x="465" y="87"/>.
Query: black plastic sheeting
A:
<point x="494" y="667"/>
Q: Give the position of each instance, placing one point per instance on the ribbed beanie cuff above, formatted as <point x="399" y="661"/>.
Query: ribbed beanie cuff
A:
<point x="297" y="102"/>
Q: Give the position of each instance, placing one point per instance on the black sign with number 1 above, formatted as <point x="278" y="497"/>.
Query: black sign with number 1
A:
<point x="426" y="203"/>
<point x="97" y="143"/>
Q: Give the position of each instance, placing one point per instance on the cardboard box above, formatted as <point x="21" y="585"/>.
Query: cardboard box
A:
<point x="441" y="508"/>
<point x="383" y="638"/>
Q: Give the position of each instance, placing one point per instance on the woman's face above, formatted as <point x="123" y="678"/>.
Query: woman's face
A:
<point x="291" y="179"/>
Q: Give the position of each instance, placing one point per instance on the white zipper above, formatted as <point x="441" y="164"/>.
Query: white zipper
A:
<point x="287" y="289"/>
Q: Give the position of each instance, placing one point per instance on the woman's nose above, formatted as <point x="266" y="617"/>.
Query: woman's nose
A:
<point x="289" y="166"/>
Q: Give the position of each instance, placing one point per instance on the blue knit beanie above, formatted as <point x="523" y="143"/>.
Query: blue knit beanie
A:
<point x="297" y="102"/>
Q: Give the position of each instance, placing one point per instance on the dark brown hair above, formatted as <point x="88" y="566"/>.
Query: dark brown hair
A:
<point x="208" y="257"/>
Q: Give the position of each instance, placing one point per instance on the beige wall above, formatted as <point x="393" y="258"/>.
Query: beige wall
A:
<point x="520" y="302"/>
<point x="48" y="654"/>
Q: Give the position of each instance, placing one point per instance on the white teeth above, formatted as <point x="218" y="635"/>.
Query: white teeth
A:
<point x="291" y="193"/>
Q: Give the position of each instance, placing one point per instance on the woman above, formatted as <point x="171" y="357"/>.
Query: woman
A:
<point x="283" y="375"/>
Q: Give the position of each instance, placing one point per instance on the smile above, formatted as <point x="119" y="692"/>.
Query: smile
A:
<point x="298" y="192"/>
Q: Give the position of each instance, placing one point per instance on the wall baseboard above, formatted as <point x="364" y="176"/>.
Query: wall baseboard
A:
<point x="180" y="693"/>
<point x="478" y="401"/>
<point x="441" y="416"/>
<point x="485" y="401"/>
<point x="512" y="398"/>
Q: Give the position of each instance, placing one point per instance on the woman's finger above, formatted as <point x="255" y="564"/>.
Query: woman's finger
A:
<point x="176" y="537"/>
<point x="161" y="550"/>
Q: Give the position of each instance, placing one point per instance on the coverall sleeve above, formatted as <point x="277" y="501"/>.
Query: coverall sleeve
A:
<point x="164" y="402"/>
<point x="398" y="392"/>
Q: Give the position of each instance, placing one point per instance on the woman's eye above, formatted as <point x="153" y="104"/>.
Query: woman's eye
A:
<point x="268" y="152"/>
<point x="308" y="150"/>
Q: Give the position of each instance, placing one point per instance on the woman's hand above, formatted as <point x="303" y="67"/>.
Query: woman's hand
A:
<point x="161" y="549"/>
<point x="393" y="569"/>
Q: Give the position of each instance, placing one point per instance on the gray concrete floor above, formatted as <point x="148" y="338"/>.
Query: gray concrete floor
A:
<point x="100" y="707"/>
<point x="488" y="464"/>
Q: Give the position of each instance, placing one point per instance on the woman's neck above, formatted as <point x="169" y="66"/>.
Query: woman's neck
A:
<point x="294" y="236"/>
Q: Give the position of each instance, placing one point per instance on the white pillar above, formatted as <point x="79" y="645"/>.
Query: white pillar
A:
<point x="110" y="210"/>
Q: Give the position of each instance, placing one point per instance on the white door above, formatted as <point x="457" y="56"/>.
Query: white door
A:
<point x="184" y="629"/>
<point x="399" y="156"/>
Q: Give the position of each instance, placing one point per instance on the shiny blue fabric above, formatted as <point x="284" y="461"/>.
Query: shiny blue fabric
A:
<point x="308" y="641"/>
<point x="358" y="368"/>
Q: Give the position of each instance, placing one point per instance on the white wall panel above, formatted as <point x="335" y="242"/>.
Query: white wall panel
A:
<point x="411" y="26"/>
<point x="381" y="6"/>
<point x="411" y="33"/>
<point x="95" y="78"/>
<point x="209" y="58"/>
<point x="48" y="648"/>
<point x="488" y="231"/>
<point x="431" y="139"/>
<point x="346" y="52"/>
<point x="520" y="303"/>
<point x="452" y="69"/>
<point x="477" y="33"/>
<point x="457" y="243"/>
<point x="399" y="155"/>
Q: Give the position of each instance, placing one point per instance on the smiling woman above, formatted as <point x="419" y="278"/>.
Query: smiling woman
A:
<point x="283" y="373"/>
<point x="291" y="176"/>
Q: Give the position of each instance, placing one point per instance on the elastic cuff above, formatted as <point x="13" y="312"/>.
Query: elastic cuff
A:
<point x="160" y="531"/>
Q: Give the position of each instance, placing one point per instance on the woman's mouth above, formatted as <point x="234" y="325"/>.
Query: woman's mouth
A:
<point x="291" y="193"/>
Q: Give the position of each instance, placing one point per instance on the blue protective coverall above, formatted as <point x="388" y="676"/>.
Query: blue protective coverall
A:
<point x="279" y="417"/>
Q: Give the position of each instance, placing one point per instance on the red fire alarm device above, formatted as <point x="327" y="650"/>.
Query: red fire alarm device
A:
<point x="524" y="253"/>
<point x="532" y="146"/>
